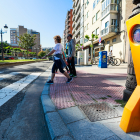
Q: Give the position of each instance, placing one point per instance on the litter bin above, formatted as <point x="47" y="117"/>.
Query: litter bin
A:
<point x="102" y="59"/>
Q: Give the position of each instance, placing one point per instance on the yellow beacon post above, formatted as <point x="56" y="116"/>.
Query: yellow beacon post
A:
<point x="130" y="121"/>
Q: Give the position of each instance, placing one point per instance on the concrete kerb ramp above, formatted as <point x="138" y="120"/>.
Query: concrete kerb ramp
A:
<point x="53" y="120"/>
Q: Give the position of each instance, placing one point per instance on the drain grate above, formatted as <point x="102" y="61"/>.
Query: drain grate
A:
<point x="99" y="111"/>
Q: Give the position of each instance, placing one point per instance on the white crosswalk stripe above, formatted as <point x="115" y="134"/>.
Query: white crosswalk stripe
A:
<point x="1" y="71"/>
<point x="9" y="75"/>
<point x="8" y="92"/>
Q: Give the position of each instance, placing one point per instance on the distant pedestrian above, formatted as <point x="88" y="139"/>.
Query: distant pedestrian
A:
<point x="58" y="60"/>
<point x="71" y="53"/>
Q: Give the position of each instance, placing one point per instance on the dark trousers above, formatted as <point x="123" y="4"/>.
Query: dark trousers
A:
<point x="72" y="66"/>
<point x="57" y="65"/>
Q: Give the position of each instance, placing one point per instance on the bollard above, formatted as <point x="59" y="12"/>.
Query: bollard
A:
<point x="130" y="121"/>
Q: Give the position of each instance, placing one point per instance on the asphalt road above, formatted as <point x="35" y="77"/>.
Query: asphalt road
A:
<point x="21" y="117"/>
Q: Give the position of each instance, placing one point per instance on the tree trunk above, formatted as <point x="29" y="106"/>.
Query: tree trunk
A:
<point x="92" y="53"/>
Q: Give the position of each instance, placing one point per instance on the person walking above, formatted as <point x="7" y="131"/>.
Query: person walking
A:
<point x="58" y="60"/>
<point x="71" y="53"/>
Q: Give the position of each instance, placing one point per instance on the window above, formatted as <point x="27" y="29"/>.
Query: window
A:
<point x="113" y="1"/>
<point x="108" y="42"/>
<point x="114" y="40"/>
<point x="93" y="19"/>
<point x="114" y="22"/>
<point x="87" y="2"/>
<point x="98" y="1"/>
<point x="93" y="4"/>
<point x="85" y="17"/>
<point x="106" y="24"/>
<point x="97" y="31"/>
<point x="87" y="14"/>
<point x="97" y="15"/>
<point x="93" y="32"/>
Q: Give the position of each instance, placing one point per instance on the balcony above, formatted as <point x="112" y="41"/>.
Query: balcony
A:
<point x="73" y="6"/>
<point x="110" y="8"/>
<point x="77" y="16"/>
<point x="73" y="12"/>
<point x="73" y="24"/>
<point x="73" y="18"/>
<point x="73" y="31"/>
<point x="78" y="40"/>
<point x="77" y="23"/>
<point x="109" y="31"/>
<point x="77" y="8"/>
<point x="77" y="32"/>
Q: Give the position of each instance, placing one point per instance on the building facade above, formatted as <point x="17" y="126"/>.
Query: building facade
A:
<point x="68" y="25"/>
<point x="106" y="19"/>
<point x="14" y="32"/>
<point x="76" y="20"/>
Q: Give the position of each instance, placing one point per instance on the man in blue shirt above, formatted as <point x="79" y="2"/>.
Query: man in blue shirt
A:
<point x="71" y="53"/>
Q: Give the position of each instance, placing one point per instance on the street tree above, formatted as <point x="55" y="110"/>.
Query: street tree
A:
<point x="26" y="41"/>
<point x="93" y="37"/>
<point x="41" y="54"/>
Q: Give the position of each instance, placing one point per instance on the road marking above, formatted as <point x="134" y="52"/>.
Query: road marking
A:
<point x="9" y="75"/>
<point x="1" y="71"/>
<point x="10" y="91"/>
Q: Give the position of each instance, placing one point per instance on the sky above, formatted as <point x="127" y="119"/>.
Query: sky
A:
<point x="44" y="16"/>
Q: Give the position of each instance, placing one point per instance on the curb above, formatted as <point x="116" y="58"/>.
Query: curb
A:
<point x="56" y="126"/>
<point x="3" y="65"/>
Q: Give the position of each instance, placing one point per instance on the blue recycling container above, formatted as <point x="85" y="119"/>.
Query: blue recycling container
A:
<point x="102" y="59"/>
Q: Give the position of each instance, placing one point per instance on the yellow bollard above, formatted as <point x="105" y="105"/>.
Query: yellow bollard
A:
<point x="130" y="121"/>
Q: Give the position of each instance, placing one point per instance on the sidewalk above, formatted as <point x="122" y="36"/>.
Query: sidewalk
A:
<point x="86" y="109"/>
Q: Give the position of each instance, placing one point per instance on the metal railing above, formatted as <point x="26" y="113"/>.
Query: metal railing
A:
<point x="109" y="30"/>
<point x="111" y="7"/>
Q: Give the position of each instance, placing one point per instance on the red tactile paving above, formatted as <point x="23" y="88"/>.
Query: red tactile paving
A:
<point x="87" y="88"/>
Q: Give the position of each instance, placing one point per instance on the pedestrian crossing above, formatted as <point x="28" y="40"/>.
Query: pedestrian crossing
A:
<point x="11" y="90"/>
<point x="9" y="75"/>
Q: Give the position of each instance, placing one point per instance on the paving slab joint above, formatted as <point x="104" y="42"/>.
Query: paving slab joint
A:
<point x="49" y="111"/>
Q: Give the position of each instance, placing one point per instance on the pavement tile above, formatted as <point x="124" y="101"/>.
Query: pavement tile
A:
<point x="56" y="125"/>
<point x="48" y="106"/>
<point x="84" y="130"/>
<point x="65" y="138"/>
<point x="70" y="115"/>
<point x="114" y="127"/>
<point x="85" y="89"/>
<point x="113" y="138"/>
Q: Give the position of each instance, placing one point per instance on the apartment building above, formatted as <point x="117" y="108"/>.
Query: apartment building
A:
<point x="106" y="18"/>
<point x="76" y="20"/>
<point x="68" y="25"/>
<point x="14" y="32"/>
<point x="92" y="23"/>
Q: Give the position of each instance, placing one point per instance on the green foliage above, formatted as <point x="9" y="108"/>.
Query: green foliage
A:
<point x="96" y="36"/>
<point x="87" y="37"/>
<point x="123" y="103"/>
<point x="93" y="35"/>
<point x="41" y="54"/>
<point x="26" y="41"/>
<point x="91" y="45"/>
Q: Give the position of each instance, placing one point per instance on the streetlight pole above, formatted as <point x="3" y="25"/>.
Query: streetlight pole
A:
<point x="1" y="45"/>
<point x="131" y="82"/>
<point x="6" y="27"/>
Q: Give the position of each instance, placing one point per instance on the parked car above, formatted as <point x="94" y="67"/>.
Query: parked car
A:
<point x="9" y="58"/>
<point x="34" y="58"/>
